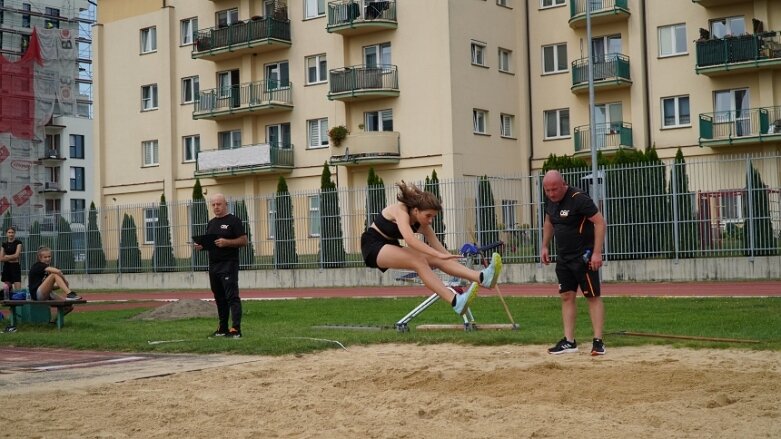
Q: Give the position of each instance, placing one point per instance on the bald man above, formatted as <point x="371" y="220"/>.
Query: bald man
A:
<point x="224" y="265"/>
<point x="573" y="218"/>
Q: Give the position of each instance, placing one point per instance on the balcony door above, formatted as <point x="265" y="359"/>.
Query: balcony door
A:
<point x="605" y="50"/>
<point x="277" y="75"/>
<point x="722" y="27"/>
<point x="732" y="116"/>
<point x="607" y="124"/>
<point x="228" y="89"/>
<point x="377" y="62"/>
<point x="278" y="135"/>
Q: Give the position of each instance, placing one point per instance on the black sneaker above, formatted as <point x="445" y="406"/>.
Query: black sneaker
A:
<point x="219" y="333"/>
<point x="564" y="347"/>
<point x="233" y="333"/>
<point x="72" y="296"/>
<point x="597" y="347"/>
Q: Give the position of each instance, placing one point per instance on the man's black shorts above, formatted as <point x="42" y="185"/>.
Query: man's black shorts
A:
<point x="371" y="243"/>
<point x="573" y="274"/>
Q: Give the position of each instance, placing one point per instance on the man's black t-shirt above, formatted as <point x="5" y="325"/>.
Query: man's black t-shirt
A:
<point x="573" y="231"/>
<point x="228" y="227"/>
<point x="36" y="276"/>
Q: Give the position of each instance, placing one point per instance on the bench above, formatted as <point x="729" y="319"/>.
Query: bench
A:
<point x="37" y="311"/>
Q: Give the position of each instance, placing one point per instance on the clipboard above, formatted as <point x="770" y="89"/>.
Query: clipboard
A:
<point x="206" y="241"/>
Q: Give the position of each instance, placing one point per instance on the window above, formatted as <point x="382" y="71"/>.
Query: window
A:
<point x="52" y="177"/>
<point x="229" y="139"/>
<point x="26" y="17"/>
<point x="191" y="145"/>
<point x="506" y="122"/>
<point x="675" y="112"/>
<point x="556" y="123"/>
<point x="149" y="40"/>
<point x="672" y="40"/>
<point x="314" y="215"/>
<point x="77" y="146"/>
<point x="227" y="17"/>
<point x="277" y="75"/>
<point x="508" y="214"/>
<point x="505" y="3"/>
<point x="316" y="69"/>
<point x="188" y="27"/>
<point x="730" y="207"/>
<point x="78" y="205"/>
<point x="318" y="133"/>
<point x="479" y="118"/>
<point x="314" y="8"/>
<point x="278" y="135"/>
<point x="378" y="54"/>
<point x="378" y="120"/>
<point x="77" y="178"/>
<point x="554" y="58"/>
<point x="149" y="97"/>
<point x="722" y="27"/>
<point x="732" y="115"/>
<point x="505" y="56"/>
<point x="551" y="3"/>
<point x="271" y="208"/>
<point x="150" y="224"/>
<point x="51" y="21"/>
<point x="478" y="53"/>
<point x="53" y="206"/>
<point x="189" y="89"/>
<point x="52" y="146"/>
<point x="151" y="152"/>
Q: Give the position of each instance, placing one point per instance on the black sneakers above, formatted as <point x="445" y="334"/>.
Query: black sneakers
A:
<point x="597" y="347"/>
<point x="219" y="333"/>
<point x="564" y="347"/>
<point x="72" y="296"/>
<point x="233" y="333"/>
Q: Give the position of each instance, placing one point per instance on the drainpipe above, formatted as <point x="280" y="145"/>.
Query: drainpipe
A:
<point x="647" y="87"/>
<point x="529" y="91"/>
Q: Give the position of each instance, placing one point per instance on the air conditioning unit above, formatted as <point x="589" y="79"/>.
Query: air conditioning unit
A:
<point x="51" y="186"/>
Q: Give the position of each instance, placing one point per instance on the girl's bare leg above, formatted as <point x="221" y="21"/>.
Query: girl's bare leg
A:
<point x="406" y="258"/>
<point x="454" y="268"/>
<point x="61" y="283"/>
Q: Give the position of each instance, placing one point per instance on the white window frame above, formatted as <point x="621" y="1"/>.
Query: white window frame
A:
<point x="148" y="39"/>
<point x="557" y="113"/>
<point x="505" y="60"/>
<point x="191" y="145"/>
<point x="384" y="120"/>
<point x="78" y="175"/>
<point x="317" y="133"/>
<point x="233" y="138"/>
<point x="149" y="100"/>
<point x="507" y="125"/>
<point x="556" y="67"/>
<point x="318" y="65"/>
<point x="150" y="153"/>
<point x="313" y="217"/>
<point x="187" y="29"/>
<point x="730" y="202"/>
<point x="729" y="26"/>
<point x="677" y="112"/>
<point x="670" y="34"/>
<point x="226" y="17"/>
<point x="150" y="224"/>
<point x="508" y="214"/>
<point x="552" y="3"/>
<point x="478" y="53"/>
<point x="314" y="8"/>
<point x="479" y="121"/>
<point x="191" y="85"/>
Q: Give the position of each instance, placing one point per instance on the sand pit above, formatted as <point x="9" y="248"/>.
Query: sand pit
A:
<point x="407" y="391"/>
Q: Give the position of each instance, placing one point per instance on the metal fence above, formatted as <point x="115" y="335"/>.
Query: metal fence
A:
<point x="700" y="209"/>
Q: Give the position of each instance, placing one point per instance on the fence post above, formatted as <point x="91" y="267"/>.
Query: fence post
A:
<point x="540" y="216"/>
<point x="119" y="242"/>
<point x="676" y="221"/>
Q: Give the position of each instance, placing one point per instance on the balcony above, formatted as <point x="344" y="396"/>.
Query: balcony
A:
<point x="610" y="137"/>
<point x="602" y="11"/>
<point x="353" y="17"/>
<point x="51" y="187"/>
<point x="712" y="3"/>
<point x="247" y="37"/>
<point x="743" y="127"/>
<point x="745" y="52"/>
<point x="367" y="148"/>
<point x="362" y="82"/>
<point x="51" y="155"/>
<point x="248" y="159"/>
<point x="609" y="73"/>
<point x="261" y="97"/>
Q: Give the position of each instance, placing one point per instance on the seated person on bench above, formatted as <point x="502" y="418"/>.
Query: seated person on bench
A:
<point x="43" y="279"/>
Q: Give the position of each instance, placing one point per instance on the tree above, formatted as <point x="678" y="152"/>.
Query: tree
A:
<point x="33" y="242"/>
<point x="164" y="253"/>
<point x="95" y="261"/>
<point x="199" y="218"/>
<point x="487" y="230"/>
<point x="246" y="253"/>
<point x="375" y="197"/>
<point x="438" y="224"/>
<point x="683" y="206"/>
<point x="758" y="228"/>
<point x="64" y="259"/>
<point x="129" y="253"/>
<point x="285" y="255"/>
<point x="332" y="253"/>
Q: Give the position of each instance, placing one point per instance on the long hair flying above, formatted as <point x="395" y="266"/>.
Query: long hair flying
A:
<point x="412" y="197"/>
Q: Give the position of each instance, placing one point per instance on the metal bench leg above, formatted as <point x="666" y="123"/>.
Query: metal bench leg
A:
<point x="60" y="317"/>
<point x="13" y="315"/>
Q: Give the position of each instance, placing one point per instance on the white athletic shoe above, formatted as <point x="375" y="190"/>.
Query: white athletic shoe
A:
<point x="491" y="273"/>
<point x="464" y="299"/>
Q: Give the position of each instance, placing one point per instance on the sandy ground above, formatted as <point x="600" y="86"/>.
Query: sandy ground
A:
<point x="407" y="391"/>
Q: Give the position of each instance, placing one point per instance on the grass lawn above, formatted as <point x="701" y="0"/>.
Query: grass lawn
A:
<point x="278" y="327"/>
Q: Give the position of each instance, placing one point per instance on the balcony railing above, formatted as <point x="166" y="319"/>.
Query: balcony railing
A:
<point x="602" y="11"/>
<point x="750" y="126"/>
<point x="248" y="159"/>
<point x="251" y="36"/>
<point x="52" y="187"/>
<point x="610" y="72"/>
<point x="360" y="81"/>
<point x="51" y="154"/>
<point x="711" y="3"/>
<point x="367" y="148"/>
<point x="739" y="52"/>
<point x="610" y="136"/>
<point x="349" y="17"/>
<point x="260" y="96"/>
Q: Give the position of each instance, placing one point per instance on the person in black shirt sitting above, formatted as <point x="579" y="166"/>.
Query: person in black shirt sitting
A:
<point x="43" y="279"/>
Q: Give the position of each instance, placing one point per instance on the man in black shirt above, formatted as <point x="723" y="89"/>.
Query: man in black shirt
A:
<point x="227" y="232"/>
<point x="579" y="228"/>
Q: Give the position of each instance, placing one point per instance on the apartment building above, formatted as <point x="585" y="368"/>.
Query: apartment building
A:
<point x="45" y="124"/>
